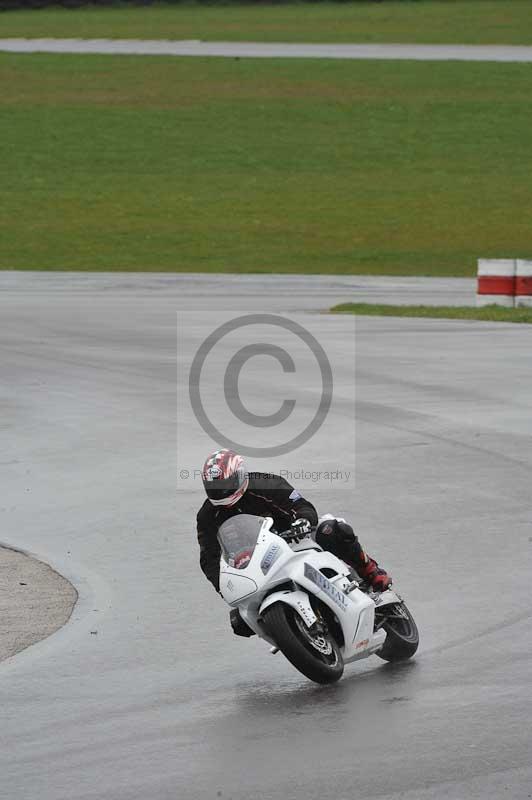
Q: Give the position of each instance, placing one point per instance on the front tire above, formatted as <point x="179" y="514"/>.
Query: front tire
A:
<point x="312" y="651"/>
<point x="402" y="636"/>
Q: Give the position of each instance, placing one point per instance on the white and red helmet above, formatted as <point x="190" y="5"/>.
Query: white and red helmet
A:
<point x="225" y="478"/>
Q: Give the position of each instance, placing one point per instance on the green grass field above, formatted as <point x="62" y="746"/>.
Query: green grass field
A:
<point x="486" y="313"/>
<point x="112" y="162"/>
<point x="468" y="21"/>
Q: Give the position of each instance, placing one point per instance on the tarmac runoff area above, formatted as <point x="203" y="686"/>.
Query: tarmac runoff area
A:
<point x="34" y="601"/>
<point x="416" y="52"/>
<point x="145" y="693"/>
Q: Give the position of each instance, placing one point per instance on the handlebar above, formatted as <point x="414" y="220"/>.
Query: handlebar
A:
<point x="289" y="536"/>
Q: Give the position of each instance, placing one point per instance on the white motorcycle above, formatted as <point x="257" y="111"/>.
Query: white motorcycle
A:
<point x="305" y="602"/>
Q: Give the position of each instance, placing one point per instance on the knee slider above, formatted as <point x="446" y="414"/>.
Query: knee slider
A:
<point x="240" y="628"/>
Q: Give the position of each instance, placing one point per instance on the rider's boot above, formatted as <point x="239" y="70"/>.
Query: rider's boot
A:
<point x="369" y="570"/>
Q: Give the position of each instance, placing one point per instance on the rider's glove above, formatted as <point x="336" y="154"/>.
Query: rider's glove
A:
<point x="298" y="530"/>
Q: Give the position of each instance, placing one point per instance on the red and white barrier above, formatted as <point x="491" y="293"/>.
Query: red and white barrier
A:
<point x="523" y="283"/>
<point x="496" y="282"/>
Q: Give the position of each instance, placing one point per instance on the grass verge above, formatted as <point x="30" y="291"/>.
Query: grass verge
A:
<point x="487" y="313"/>
<point x="458" y="21"/>
<point x="117" y="162"/>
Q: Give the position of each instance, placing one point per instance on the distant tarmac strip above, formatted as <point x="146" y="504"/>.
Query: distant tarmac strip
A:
<point x="416" y="52"/>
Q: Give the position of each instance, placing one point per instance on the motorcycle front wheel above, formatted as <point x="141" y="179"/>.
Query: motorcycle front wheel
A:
<point x="402" y="637"/>
<point x="313" y="651"/>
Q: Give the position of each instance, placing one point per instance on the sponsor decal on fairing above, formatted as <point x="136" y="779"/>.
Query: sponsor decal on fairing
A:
<point x="272" y="554"/>
<point x="336" y="595"/>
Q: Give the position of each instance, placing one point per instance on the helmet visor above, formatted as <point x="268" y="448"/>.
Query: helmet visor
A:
<point x="223" y="488"/>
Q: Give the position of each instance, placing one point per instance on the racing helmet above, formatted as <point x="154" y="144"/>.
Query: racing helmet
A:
<point x="225" y="477"/>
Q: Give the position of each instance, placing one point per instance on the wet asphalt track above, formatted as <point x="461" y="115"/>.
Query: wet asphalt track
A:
<point x="145" y="693"/>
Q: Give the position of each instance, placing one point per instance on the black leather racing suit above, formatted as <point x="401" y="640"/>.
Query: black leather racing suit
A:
<point x="266" y="496"/>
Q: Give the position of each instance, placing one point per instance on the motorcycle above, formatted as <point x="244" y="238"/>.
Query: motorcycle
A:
<point x="307" y="603"/>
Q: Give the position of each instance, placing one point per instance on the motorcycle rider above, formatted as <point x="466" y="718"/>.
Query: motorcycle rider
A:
<point x="232" y="490"/>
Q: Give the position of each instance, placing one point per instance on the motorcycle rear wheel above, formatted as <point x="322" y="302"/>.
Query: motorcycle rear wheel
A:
<point x="314" y="653"/>
<point x="402" y="636"/>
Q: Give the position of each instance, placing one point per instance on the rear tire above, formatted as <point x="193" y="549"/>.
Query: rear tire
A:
<point x="315" y="654"/>
<point x="402" y="636"/>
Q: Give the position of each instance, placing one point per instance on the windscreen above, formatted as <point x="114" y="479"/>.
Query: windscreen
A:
<point x="238" y="537"/>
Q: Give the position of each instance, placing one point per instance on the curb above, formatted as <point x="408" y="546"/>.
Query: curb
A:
<point x="504" y="282"/>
